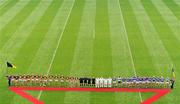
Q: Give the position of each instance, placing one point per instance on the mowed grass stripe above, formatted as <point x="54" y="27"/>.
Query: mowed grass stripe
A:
<point x="177" y="2"/>
<point x="163" y="30"/>
<point x="154" y="44"/>
<point x="141" y="56"/>
<point x="4" y="3"/>
<point x="83" y="56"/>
<point x="15" y="23"/>
<point x="102" y="64"/>
<point x="37" y="35"/>
<point x="65" y="53"/>
<point x="168" y="17"/>
<point x="129" y="48"/>
<point x="7" y="6"/>
<point x="32" y="21"/>
<point x="171" y="44"/>
<point x="42" y="59"/>
<point x="122" y="64"/>
<point x="63" y="60"/>
<point x="11" y="13"/>
<point x="60" y="22"/>
<point x="5" y="55"/>
<point x="12" y="47"/>
<point x="121" y="59"/>
<point x="173" y="7"/>
<point x="102" y="55"/>
<point x="159" y="54"/>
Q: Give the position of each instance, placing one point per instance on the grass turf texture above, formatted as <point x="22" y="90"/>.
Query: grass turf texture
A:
<point x="90" y="38"/>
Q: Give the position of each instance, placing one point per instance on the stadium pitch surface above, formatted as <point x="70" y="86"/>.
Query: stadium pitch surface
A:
<point x="21" y="92"/>
<point x="90" y="38"/>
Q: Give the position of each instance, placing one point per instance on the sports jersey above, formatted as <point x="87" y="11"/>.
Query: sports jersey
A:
<point x="81" y="80"/>
<point x="119" y="80"/>
<point x="93" y="80"/>
<point x="97" y="82"/>
<point x="114" y="80"/>
<point x="101" y="82"/>
<point x="89" y="80"/>
<point x="109" y="82"/>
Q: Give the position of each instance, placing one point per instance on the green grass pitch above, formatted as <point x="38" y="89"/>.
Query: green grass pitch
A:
<point x="90" y="38"/>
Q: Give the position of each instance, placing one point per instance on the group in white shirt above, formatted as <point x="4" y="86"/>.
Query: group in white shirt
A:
<point x="103" y="82"/>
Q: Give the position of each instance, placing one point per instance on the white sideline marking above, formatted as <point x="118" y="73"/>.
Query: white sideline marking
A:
<point x="129" y="48"/>
<point x="54" y="54"/>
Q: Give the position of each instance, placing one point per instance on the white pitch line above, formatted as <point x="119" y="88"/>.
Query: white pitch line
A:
<point x="129" y="48"/>
<point x="54" y="54"/>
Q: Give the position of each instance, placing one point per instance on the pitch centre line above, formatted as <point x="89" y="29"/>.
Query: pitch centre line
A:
<point x="55" y="51"/>
<point x="129" y="47"/>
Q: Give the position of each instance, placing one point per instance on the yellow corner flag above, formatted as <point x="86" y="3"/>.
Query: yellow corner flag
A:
<point x="10" y="65"/>
<point x="173" y="73"/>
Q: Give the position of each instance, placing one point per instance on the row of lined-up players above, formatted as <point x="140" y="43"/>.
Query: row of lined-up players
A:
<point x="61" y="81"/>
